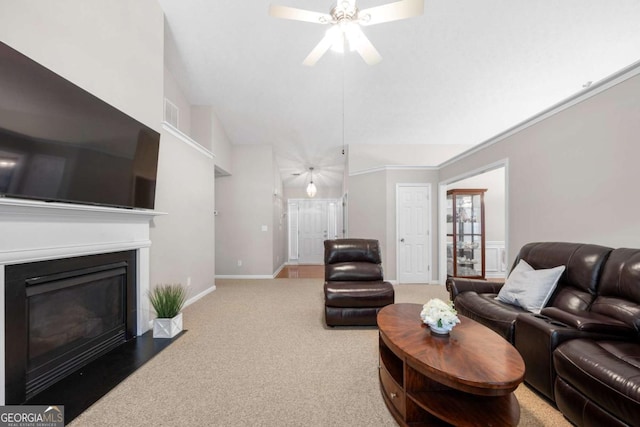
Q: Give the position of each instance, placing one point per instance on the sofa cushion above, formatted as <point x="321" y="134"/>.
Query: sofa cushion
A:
<point x="619" y="290"/>
<point x="529" y="288"/>
<point x="584" y="263"/>
<point x="485" y="309"/>
<point x="606" y="372"/>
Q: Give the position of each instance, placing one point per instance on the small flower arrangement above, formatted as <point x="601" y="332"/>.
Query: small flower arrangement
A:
<point x="439" y="314"/>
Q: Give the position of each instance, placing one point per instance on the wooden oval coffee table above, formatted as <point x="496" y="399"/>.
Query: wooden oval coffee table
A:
<point x="464" y="379"/>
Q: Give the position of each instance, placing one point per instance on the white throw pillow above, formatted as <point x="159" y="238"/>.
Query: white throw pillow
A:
<point x="529" y="288"/>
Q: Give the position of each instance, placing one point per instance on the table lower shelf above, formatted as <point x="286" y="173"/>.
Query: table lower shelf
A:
<point x="448" y="407"/>
<point x="432" y="404"/>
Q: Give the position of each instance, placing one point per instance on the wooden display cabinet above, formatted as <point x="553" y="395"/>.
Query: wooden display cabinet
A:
<point x="466" y="233"/>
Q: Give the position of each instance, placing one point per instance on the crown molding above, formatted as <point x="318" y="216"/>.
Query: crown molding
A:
<point x="393" y="167"/>
<point x="596" y="88"/>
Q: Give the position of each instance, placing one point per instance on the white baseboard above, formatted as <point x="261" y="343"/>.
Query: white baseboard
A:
<point x="200" y="295"/>
<point x="244" y="276"/>
<point x="191" y="300"/>
<point x="279" y="270"/>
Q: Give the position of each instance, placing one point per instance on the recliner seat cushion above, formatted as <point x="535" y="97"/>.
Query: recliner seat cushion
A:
<point x="581" y="411"/>
<point x="353" y="316"/>
<point x="358" y="294"/>
<point x="485" y="309"/>
<point x="606" y="372"/>
<point x="619" y="290"/>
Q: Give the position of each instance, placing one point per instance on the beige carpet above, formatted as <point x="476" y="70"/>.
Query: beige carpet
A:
<point x="257" y="353"/>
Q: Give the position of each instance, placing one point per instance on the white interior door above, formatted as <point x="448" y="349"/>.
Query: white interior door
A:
<point x="413" y="207"/>
<point x="311" y="222"/>
<point x="313" y="231"/>
<point x="292" y="214"/>
<point x="332" y="219"/>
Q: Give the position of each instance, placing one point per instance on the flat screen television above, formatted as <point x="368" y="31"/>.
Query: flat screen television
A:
<point x="60" y="143"/>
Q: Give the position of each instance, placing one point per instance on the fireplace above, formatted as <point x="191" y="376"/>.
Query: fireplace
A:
<point x="61" y="314"/>
<point x="37" y="231"/>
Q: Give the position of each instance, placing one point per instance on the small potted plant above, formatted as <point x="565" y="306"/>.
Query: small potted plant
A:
<point x="167" y="301"/>
<point x="440" y="316"/>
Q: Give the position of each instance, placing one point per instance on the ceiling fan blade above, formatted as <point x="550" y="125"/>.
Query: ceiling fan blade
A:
<point x="286" y="12"/>
<point x="364" y="47"/>
<point x="317" y="52"/>
<point x="391" y="12"/>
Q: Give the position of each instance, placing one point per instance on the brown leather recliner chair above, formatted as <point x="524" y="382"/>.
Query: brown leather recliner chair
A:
<point x="354" y="288"/>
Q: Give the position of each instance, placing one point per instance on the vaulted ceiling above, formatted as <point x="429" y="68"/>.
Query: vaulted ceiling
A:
<point x="459" y="74"/>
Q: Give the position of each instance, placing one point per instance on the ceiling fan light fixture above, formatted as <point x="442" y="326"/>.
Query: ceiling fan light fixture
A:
<point x="354" y="35"/>
<point x="345" y="19"/>
<point x="337" y="39"/>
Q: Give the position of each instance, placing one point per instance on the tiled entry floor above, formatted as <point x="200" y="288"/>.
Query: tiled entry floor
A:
<point x="302" y="272"/>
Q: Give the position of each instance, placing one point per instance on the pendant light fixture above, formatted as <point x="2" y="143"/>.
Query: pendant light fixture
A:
<point x="311" y="188"/>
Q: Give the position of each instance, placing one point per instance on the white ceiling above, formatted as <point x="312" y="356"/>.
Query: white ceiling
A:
<point x="461" y="73"/>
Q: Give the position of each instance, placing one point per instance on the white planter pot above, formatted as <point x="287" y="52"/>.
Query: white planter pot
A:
<point x="167" y="328"/>
<point x="440" y="330"/>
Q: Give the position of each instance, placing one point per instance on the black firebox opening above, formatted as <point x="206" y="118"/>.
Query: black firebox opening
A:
<point x="62" y="314"/>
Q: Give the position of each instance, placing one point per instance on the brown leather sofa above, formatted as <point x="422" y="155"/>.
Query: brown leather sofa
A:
<point x="582" y="351"/>
<point x="354" y="288"/>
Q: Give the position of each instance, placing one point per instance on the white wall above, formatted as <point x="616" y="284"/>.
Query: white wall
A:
<point x="112" y="49"/>
<point x="372" y="210"/>
<point x="572" y="176"/>
<point x="279" y="224"/>
<point x="176" y="96"/>
<point x="323" y="193"/>
<point x="245" y="203"/>
<point x="374" y="170"/>
<point x="201" y="126"/>
<point x="221" y="145"/>
<point x="183" y="241"/>
<point x="370" y="156"/>
<point x="115" y="51"/>
<point x="207" y="129"/>
<point x="368" y="208"/>
<point x="494" y="200"/>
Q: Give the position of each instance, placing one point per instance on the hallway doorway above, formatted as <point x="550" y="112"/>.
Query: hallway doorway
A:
<point x="311" y="222"/>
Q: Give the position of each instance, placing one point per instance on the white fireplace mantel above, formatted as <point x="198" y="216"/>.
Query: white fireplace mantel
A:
<point x="37" y="231"/>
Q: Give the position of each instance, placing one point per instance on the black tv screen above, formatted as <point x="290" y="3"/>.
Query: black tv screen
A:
<point x="60" y="143"/>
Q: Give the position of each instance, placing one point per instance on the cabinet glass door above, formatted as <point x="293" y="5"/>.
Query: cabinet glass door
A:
<point x="465" y="233"/>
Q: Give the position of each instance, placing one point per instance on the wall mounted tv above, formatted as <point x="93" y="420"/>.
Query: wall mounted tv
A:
<point x="60" y="143"/>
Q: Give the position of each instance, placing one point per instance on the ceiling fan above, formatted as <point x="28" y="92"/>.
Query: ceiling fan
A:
<point x="345" y="20"/>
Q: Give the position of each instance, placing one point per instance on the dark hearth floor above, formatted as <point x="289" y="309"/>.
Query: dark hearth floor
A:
<point x="84" y="387"/>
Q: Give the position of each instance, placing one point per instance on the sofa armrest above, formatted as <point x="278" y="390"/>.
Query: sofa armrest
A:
<point x="590" y="322"/>
<point x="457" y="285"/>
